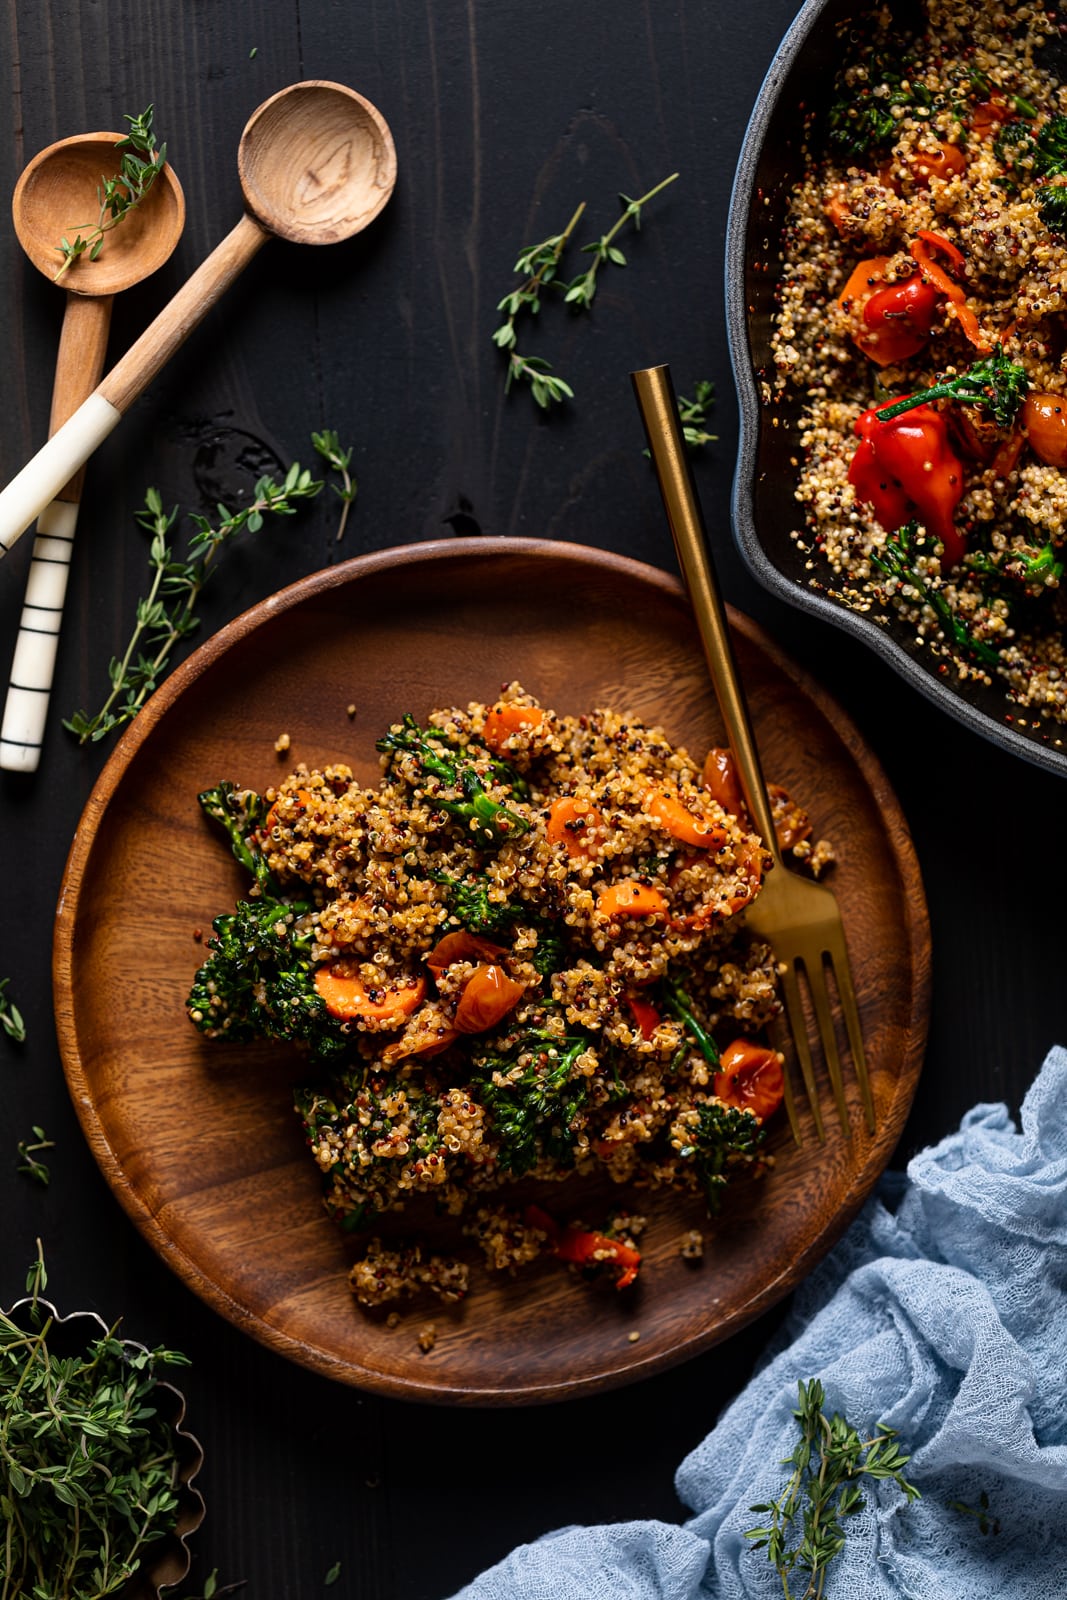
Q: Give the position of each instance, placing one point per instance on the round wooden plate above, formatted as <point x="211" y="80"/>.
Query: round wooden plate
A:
<point x="199" y="1140"/>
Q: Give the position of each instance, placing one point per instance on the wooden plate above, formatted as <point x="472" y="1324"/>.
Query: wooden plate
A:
<point x="199" y="1141"/>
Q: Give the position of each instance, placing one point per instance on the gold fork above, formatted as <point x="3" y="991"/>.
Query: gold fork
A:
<point x="800" y="919"/>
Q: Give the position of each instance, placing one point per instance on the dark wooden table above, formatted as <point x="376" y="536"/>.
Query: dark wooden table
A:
<point x="505" y="116"/>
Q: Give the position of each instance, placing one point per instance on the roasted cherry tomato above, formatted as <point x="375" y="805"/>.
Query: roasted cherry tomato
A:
<point x="906" y="468"/>
<point x="488" y="995"/>
<point x="1045" y="422"/>
<point x="750" y="1077"/>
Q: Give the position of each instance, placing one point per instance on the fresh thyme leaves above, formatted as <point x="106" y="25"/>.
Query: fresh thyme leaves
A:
<point x="212" y="1590"/>
<point x="10" y="1015"/>
<point x="693" y="414"/>
<point x="139" y="168"/>
<point x="898" y="559"/>
<point x="30" y="1151"/>
<point x="329" y="447"/>
<point x="582" y="290"/>
<point x="88" y="1471"/>
<point x="824" y="1491"/>
<point x="168" y="613"/>
<point x="980" y="1513"/>
<point x="332" y="1575"/>
<point x="538" y="265"/>
<point x="997" y="385"/>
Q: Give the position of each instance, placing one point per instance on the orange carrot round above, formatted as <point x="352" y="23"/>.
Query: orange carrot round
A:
<point x="505" y="720"/>
<point x="345" y="994"/>
<point x="631" y="899"/>
<point x="488" y="995"/>
<point x="569" y="823"/>
<point x="680" y="823"/>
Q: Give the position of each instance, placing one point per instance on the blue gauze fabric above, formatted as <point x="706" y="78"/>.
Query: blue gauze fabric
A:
<point x="943" y="1312"/>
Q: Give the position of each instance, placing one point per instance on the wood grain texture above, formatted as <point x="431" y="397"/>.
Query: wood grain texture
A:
<point x="505" y="115"/>
<point x="241" y="1222"/>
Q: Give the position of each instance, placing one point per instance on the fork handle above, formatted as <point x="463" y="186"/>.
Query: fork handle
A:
<point x="658" y="405"/>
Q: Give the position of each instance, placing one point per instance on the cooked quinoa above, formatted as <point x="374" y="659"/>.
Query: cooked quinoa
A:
<point x="927" y="217"/>
<point x="519" y="955"/>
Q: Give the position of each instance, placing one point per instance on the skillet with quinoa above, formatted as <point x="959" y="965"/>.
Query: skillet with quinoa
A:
<point x="519" y="956"/>
<point x="920" y="317"/>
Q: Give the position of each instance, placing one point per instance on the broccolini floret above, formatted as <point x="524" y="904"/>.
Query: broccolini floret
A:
<point x="240" y="813"/>
<point x="534" y="1113"/>
<point x="721" y="1133"/>
<point x="257" y="982"/>
<point x="490" y="822"/>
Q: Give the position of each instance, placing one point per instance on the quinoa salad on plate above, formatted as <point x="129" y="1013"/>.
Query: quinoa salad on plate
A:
<point x="519" y="957"/>
<point x="921" y="318"/>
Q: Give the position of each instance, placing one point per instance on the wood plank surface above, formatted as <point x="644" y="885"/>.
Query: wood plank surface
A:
<point x="505" y="117"/>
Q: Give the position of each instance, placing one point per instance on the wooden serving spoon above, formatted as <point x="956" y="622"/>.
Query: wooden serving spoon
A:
<point x="317" y="164"/>
<point x="58" y="188"/>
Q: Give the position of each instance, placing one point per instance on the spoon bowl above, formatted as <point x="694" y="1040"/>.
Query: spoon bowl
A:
<point x="317" y="163"/>
<point x="56" y="197"/>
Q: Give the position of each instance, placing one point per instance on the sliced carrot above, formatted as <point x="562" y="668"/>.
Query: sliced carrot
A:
<point x="345" y="994"/>
<point x="1007" y="456"/>
<point x="646" y="1018"/>
<point x="570" y="822"/>
<point x="488" y="995"/>
<point x="750" y="1078"/>
<point x="680" y="823"/>
<point x="461" y="946"/>
<point x="505" y="720"/>
<point x="631" y="899"/>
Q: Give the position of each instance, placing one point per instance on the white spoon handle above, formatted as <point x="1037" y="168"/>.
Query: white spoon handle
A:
<point x="32" y="669"/>
<point x="41" y="479"/>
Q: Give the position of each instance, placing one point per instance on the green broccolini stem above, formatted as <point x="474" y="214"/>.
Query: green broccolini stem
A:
<point x="678" y="1004"/>
<point x="996" y="384"/>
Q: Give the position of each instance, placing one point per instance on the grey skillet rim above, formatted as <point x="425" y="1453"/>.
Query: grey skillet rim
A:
<point x="748" y="454"/>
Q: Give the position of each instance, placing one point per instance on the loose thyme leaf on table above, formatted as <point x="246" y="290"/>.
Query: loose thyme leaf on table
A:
<point x="539" y="264"/>
<point x="10" y="1015"/>
<point x="30" y="1151"/>
<point x="823" y="1490"/>
<point x="168" y="613"/>
<point x="139" y="168"/>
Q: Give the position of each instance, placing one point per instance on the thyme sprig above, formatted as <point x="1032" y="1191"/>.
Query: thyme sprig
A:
<point x="539" y="267"/>
<point x="10" y="1016"/>
<point x="30" y="1151"/>
<point x="167" y="614"/>
<point x="139" y="168"/>
<point x="329" y="447"/>
<point x="694" y="414"/>
<point x="823" y="1490"/>
<point x="537" y="263"/>
<point x="583" y="289"/>
<point x="87" y="1466"/>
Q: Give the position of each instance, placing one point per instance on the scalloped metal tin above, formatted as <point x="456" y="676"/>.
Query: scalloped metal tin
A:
<point x="170" y="1557"/>
<point x="764" y="508"/>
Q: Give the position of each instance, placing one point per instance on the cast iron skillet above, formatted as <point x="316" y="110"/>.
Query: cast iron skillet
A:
<point x="764" y="510"/>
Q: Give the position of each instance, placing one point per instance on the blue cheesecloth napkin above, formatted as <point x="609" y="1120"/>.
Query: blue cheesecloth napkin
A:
<point x="942" y="1312"/>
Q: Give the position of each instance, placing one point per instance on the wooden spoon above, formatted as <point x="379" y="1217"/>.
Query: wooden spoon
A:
<point x="57" y="190"/>
<point x="317" y="164"/>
